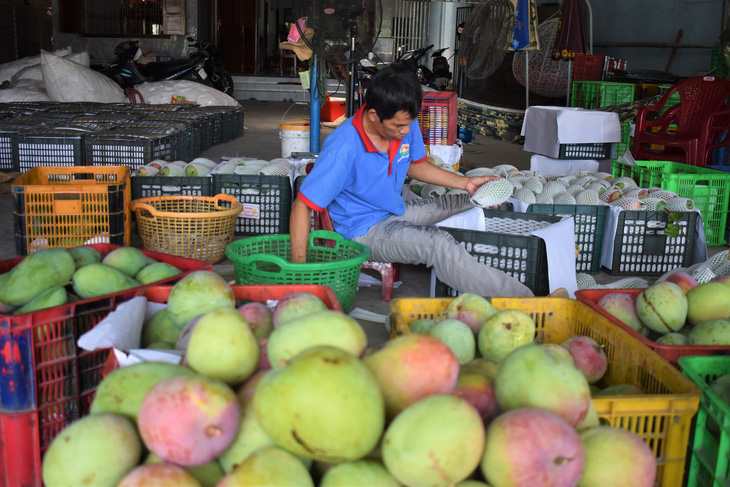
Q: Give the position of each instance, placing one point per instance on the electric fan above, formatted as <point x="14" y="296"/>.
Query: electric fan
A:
<point x="485" y="38"/>
<point x="345" y="31"/>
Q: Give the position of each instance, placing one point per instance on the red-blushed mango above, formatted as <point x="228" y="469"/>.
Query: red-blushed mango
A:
<point x="324" y="405"/>
<point x="99" y="450"/>
<point x="189" y="420"/>
<point x="615" y="457"/>
<point x="259" y="317"/>
<point x="411" y="367"/>
<point x="531" y="447"/>
<point x="588" y="357"/>
<point x="623" y="307"/>
<point x="471" y="309"/>
<point x="438" y="440"/>
<point x="269" y="467"/>
<point x="207" y="474"/>
<point x="158" y="474"/>
<point x="477" y="390"/>
<point x="683" y="280"/>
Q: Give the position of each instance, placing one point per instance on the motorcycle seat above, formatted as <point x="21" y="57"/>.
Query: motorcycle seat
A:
<point x="161" y="69"/>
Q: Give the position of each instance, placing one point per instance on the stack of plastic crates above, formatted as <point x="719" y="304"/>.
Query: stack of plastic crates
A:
<point x="131" y="147"/>
<point x="437" y="118"/>
<point x="708" y="188"/>
<point x="50" y="147"/>
<point x="597" y="94"/>
<point x="46" y="380"/>
<point x="507" y="245"/>
<point x="710" y="449"/>
<point x="71" y="206"/>
<point x="588" y="67"/>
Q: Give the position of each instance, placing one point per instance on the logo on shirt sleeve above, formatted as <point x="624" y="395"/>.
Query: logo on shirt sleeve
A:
<point x="404" y="149"/>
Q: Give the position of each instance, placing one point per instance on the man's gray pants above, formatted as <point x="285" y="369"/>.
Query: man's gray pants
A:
<point x="413" y="239"/>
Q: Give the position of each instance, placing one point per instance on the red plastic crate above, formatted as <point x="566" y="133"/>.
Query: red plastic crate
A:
<point x="588" y="67"/>
<point x="46" y="381"/>
<point x="438" y="118"/>
<point x="670" y="353"/>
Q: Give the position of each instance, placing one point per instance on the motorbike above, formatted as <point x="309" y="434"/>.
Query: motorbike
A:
<point x="203" y="66"/>
<point x="438" y="78"/>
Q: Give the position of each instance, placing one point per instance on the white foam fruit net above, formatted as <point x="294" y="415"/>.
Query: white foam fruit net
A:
<point x="512" y="226"/>
<point x="548" y="76"/>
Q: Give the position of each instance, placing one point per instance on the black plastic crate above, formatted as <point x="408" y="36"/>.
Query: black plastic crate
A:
<point x="642" y="248"/>
<point x="148" y="186"/>
<point x="266" y="202"/>
<point x="129" y="147"/>
<point x="590" y="221"/>
<point x="586" y="151"/>
<point x="195" y="129"/>
<point x="50" y="147"/>
<point x="523" y="257"/>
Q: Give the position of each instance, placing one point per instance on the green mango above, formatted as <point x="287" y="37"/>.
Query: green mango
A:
<point x="36" y="273"/>
<point x="157" y="272"/>
<point x="160" y="328"/>
<point x="84" y="255"/>
<point x="129" y="260"/>
<point x="56" y="296"/>
<point x="99" y="279"/>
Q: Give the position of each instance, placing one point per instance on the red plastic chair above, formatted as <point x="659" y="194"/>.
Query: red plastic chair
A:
<point x="681" y="129"/>
<point x="389" y="271"/>
<point x="716" y="133"/>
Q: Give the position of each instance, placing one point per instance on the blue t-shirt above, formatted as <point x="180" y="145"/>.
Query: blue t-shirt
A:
<point x="358" y="184"/>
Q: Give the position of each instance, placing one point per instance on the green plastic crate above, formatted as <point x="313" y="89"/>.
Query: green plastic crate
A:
<point x="597" y="94"/>
<point x="625" y="143"/>
<point x="589" y="224"/>
<point x="149" y="186"/>
<point x="708" y="188"/>
<point x="641" y="248"/>
<point x="709" y="457"/>
<point x="266" y="202"/>
<point x="523" y="257"/>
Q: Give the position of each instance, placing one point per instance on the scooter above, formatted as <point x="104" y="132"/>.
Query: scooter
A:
<point x="437" y="79"/>
<point x="201" y="67"/>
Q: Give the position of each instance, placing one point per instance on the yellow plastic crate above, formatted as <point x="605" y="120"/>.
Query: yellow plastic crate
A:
<point x="66" y="206"/>
<point x="662" y="416"/>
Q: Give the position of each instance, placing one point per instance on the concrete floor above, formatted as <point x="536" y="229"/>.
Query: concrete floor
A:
<point x="261" y="140"/>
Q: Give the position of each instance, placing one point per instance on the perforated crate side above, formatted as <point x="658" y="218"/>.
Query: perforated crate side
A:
<point x="126" y="149"/>
<point x="641" y="247"/>
<point x="586" y="151"/>
<point x="266" y="202"/>
<point x="523" y="257"/>
<point x="145" y="187"/>
<point x="590" y="221"/>
<point x="49" y="148"/>
<point x="8" y="152"/>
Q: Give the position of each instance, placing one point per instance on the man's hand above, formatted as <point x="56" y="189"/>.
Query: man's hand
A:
<point x="474" y="182"/>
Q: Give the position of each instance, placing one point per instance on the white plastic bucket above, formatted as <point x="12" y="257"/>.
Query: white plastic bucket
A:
<point x="294" y="137"/>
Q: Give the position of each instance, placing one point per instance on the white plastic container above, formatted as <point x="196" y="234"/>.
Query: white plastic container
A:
<point x="294" y="137"/>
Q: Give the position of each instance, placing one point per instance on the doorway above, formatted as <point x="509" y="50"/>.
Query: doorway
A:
<point x="236" y="34"/>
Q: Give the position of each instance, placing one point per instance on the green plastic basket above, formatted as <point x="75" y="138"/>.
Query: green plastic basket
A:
<point x="710" y="452"/>
<point x="597" y="94"/>
<point x="708" y="188"/>
<point x="331" y="261"/>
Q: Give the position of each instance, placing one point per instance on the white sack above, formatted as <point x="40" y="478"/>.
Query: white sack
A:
<point x="161" y="92"/>
<point x="67" y="81"/>
<point x="28" y="72"/>
<point x="24" y="93"/>
<point x="7" y="70"/>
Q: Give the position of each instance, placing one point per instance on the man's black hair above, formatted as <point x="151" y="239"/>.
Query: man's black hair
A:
<point x="394" y="89"/>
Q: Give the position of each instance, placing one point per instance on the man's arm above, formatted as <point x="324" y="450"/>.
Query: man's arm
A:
<point x="428" y="173"/>
<point x="299" y="222"/>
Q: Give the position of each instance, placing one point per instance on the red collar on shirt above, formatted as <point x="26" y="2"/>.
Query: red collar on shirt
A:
<point x="392" y="148"/>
